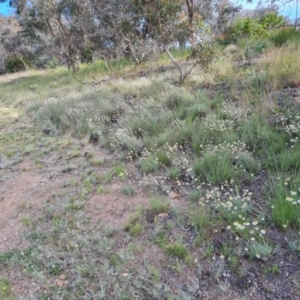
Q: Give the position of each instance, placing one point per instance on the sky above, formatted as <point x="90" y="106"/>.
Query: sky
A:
<point x="4" y="9"/>
<point x="289" y="11"/>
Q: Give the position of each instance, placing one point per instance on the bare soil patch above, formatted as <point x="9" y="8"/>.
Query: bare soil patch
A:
<point x="114" y="208"/>
<point x="22" y="196"/>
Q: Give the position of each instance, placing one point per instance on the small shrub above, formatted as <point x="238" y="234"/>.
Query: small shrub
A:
<point x="295" y="245"/>
<point x="260" y="250"/>
<point x="284" y="35"/>
<point x="233" y="263"/>
<point x="16" y="64"/>
<point x="231" y="49"/>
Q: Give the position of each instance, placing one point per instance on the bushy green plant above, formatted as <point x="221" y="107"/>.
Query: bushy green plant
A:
<point x="260" y="250"/>
<point x="200" y="221"/>
<point x="178" y="249"/>
<point x="284" y="35"/>
<point x="53" y="63"/>
<point x="285" y="203"/>
<point x="16" y="64"/>
<point x="252" y="27"/>
<point x="215" y="167"/>
<point x="149" y="164"/>
<point x="159" y="205"/>
<point x="195" y="195"/>
<point x="244" y="27"/>
<point x="5" y="288"/>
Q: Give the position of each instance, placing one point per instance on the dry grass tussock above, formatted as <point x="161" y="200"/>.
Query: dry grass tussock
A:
<point x="282" y="65"/>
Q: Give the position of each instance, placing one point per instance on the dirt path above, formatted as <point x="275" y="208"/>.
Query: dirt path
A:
<point x="11" y="77"/>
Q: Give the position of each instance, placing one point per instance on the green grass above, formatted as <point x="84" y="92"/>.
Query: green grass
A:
<point x="215" y="167"/>
<point x="195" y="195"/>
<point x="226" y="142"/>
<point x="133" y="224"/>
<point x="159" y="205"/>
<point x="200" y="220"/>
<point x="5" y="289"/>
<point x="285" y="207"/>
<point x="177" y="249"/>
<point x="128" y="190"/>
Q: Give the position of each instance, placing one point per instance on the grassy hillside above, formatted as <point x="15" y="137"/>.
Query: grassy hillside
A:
<point x="136" y="188"/>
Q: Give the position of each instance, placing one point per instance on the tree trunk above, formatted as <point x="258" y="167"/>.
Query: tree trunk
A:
<point x="181" y="78"/>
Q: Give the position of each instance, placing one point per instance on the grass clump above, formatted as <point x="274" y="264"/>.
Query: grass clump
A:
<point x="195" y="195"/>
<point x="133" y="225"/>
<point x="119" y="170"/>
<point x="200" y="220"/>
<point x="285" y="206"/>
<point x="128" y="190"/>
<point x="215" y="168"/>
<point x="164" y="159"/>
<point x="177" y="249"/>
<point x="103" y="190"/>
<point x="174" y="172"/>
<point x="5" y="289"/>
<point x="149" y="164"/>
<point x="159" y="205"/>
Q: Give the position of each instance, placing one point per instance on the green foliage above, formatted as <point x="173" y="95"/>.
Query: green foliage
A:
<point x="204" y="54"/>
<point x="164" y="159"/>
<point x="5" y="288"/>
<point x="271" y="20"/>
<point x="252" y="28"/>
<point x="16" y="64"/>
<point x="215" y="168"/>
<point x="260" y="250"/>
<point x="257" y="48"/>
<point x="285" y="203"/>
<point x="133" y="225"/>
<point x="178" y="249"/>
<point x="200" y="219"/>
<point x="136" y="229"/>
<point x="128" y="190"/>
<point x="53" y="63"/>
<point x="159" y="15"/>
<point x="159" y="205"/>
<point x="195" y="195"/>
<point x="174" y="172"/>
<point x="87" y="56"/>
<point x="149" y="164"/>
<point x="282" y="36"/>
